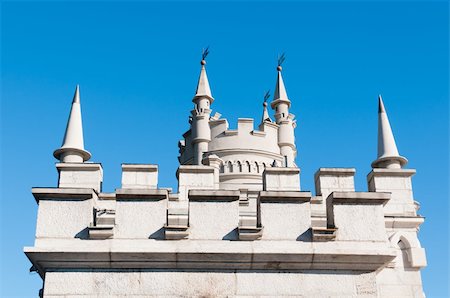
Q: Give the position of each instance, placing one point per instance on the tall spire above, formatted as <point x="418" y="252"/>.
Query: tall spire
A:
<point x="285" y="120"/>
<point x="72" y="149"/>
<point x="200" y="129"/>
<point x="388" y="156"/>
<point x="203" y="89"/>
<point x="280" y="91"/>
<point x="265" y="116"/>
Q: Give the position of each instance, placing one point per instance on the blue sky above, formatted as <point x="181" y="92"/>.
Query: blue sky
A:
<point x="137" y="65"/>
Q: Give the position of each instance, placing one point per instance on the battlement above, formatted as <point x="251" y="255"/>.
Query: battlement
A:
<point x="239" y="223"/>
<point x="316" y="229"/>
<point x="262" y="139"/>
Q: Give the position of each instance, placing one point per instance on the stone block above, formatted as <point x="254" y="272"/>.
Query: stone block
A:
<point x="80" y="175"/>
<point x="242" y="283"/>
<point x="245" y="125"/>
<point x="213" y="214"/>
<point x="278" y="179"/>
<point x="417" y="257"/>
<point x="139" y="176"/>
<point x="284" y="215"/>
<point x="141" y="213"/>
<point x="327" y="180"/>
<point x="358" y="216"/>
<point x="398" y="183"/>
<point x="64" y="213"/>
<point x="194" y="177"/>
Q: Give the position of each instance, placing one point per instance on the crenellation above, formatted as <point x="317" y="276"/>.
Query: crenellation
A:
<point x="139" y="176"/>
<point x="133" y="208"/>
<point x="80" y="175"/>
<point x="238" y="225"/>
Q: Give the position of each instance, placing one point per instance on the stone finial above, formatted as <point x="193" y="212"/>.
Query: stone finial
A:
<point x="265" y="116"/>
<point x="388" y="156"/>
<point x="72" y="149"/>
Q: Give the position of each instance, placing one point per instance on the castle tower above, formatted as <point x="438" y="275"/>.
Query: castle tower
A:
<point x="281" y="105"/>
<point x="72" y="149"/>
<point x="389" y="176"/>
<point x="201" y="133"/>
<point x="236" y="227"/>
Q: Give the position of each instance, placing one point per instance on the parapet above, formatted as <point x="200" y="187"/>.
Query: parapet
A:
<point x="245" y="137"/>
<point x="210" y="227"/>
<point x="80" y="175"/>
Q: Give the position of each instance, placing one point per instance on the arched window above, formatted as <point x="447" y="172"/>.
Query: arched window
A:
<point x="257" y="167"/>
<point x="239" y="166"/>
<point x="247" y="165"/>
<point x="402" y="257"/>
<point x="230" y="167"/>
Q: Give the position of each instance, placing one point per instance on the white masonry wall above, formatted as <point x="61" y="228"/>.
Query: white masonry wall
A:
<point x="373" y="253"/>
<point x="239" y="283"/>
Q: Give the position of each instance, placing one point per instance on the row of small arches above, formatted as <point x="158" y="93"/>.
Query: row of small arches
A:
<point x="243" y="167"/>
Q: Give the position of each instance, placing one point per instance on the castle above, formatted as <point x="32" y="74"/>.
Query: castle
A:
<point x="239" y="225"/>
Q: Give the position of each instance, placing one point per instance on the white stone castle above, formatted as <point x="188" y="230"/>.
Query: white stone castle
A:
<point x="239" y="225"/>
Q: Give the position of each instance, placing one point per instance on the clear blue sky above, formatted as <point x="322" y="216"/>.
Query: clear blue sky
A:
<point x="137" y="65"/>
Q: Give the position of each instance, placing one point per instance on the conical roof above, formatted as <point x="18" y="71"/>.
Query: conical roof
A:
<point x="387" y="149"/>
<point x="280" y="93"/>
<point x="203" y="89"/>
<point x="73" y="142"/>
<point x="265" y="116"/>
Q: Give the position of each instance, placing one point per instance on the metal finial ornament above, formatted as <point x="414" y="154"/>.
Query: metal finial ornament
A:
<point x="281" y="59"/>
<point x="205" y="53"/>
<point x="267" y="96"/>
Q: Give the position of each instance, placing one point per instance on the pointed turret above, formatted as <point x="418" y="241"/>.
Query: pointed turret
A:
<point x="285" y="120"/>
<point x="72" y="149"/>
<point x="203" y="89"/>
<point x="201" y="132"/>
<point x="388" y="156"/>
<point x="280" y="90"/>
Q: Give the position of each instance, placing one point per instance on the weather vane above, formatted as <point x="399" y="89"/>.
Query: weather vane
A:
<point x="267" y="96"/>
<point x="281" y="59"/>
<point x="205" y="53"/>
